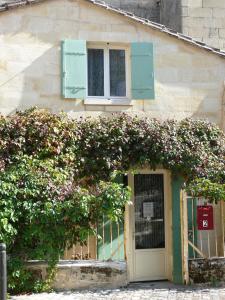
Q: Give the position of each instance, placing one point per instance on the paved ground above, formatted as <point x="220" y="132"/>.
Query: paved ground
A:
<point x="140" y="291"/>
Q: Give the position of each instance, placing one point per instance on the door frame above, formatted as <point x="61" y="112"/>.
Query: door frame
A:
<point x="130" y="223"/>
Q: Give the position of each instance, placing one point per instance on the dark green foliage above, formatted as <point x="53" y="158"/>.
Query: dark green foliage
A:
<point x="57" y="176"/>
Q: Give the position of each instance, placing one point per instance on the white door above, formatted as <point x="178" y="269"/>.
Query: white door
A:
<point x="149" y="253"/>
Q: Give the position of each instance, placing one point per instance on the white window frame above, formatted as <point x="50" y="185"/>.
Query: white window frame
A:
<point x="107" y="99"/>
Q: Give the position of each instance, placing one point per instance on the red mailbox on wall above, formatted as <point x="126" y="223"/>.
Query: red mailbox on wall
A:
<point x="205" y="217"/>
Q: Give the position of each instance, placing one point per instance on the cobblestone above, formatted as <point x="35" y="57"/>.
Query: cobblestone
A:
<point x="136" y="291"/>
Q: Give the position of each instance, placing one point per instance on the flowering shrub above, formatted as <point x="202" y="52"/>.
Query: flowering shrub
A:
<point x="57" y="176"/>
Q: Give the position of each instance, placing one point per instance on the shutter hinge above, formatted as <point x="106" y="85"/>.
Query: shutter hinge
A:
<point x="75" y="53"/>
<point x="75" y="89"/>
<point x="140" y="55"/>
<point x="144" y="89"/>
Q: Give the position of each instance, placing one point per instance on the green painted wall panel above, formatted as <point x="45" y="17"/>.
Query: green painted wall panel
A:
<point x="111" y="243"/>
<point x="121" y="241"/>
<point x="107" y="239"/>
<point x="192" y="220"/>
<point x="115" y="242"/>
<point x="142" y="71"/>
<point x="176" y="226"/>
<point x="74" y="69"/>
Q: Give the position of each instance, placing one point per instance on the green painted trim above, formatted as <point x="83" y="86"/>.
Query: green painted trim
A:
<point x="107" y="248"/>
<point x="62" y="69"/>
<point x="190" y="222"/>
<point x="112" y="247"/>
<point x="176" y="226"/>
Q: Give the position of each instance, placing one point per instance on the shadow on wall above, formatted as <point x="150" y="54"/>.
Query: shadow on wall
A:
<point x="29" y="82"/>
<point x="149" y="9"/>
<point x="171" y="14"/>
<point x="37" y="82"/>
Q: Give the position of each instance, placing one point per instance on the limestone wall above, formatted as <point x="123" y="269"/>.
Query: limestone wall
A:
<point x="189" y="81"/>
<point x="205" y="20"/>
<point x="73" y="275"/>
<point x="201" y="19"/>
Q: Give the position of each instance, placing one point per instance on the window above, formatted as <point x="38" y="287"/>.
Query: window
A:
<point x="107" y="74"/>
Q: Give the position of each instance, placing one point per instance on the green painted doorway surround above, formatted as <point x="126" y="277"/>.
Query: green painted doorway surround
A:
<point x="113" y="239"/>
<point x="176" y="232"/>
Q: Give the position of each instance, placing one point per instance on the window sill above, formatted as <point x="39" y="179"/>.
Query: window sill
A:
<point x="118" y="102"/>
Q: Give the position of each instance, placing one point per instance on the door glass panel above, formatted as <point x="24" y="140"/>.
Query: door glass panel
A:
<point x="117" y="73"/>
<point x="95" y="72"/>
<point x="149" y="211"/>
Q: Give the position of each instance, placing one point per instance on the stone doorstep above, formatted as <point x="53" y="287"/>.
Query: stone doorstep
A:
<point x="76" y="275"/>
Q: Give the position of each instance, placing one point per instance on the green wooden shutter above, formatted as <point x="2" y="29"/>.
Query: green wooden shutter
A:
<point x="74" y="69"/>
<point x="142" y="71"/>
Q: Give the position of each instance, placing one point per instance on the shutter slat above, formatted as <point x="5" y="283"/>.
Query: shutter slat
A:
<point x="74" y="69"/>
<point x="142" y="71"/>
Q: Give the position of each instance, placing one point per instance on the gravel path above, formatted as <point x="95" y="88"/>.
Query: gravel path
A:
<point x="136" y="291"/>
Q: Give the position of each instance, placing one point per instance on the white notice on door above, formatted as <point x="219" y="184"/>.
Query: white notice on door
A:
<point x="148" y="209"/>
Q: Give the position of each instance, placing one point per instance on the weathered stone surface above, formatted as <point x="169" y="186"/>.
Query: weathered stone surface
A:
<point x="207" y="270"/>
<point x="72" y="275"/>
<point x="149" y="9"/>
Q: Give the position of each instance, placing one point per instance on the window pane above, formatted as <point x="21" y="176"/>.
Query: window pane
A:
<point x="149" y="211"/>
<point x="117" y="73"/>
<point x="95" y="72"/>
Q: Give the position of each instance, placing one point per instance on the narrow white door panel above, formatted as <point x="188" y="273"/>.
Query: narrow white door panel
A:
<point x="149" y="227"/>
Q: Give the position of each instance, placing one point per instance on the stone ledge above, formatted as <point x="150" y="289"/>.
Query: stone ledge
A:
<point x="76" y="275"/>
<point x="209" y="271"/>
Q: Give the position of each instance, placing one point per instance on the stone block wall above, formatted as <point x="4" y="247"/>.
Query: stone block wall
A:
<point x="210" y="271"/>
<point x="149" y="9"/>
<point x="76" y="275"/>
<point x="171" y="14"/>
<point x="205" y="21"/>
<point x="189" y="81"/>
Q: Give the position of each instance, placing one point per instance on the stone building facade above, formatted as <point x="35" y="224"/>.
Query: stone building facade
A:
<point x="185" y="79"/>
<point x="189" y="81"/>
<point x="203" y="20"/>
<point x="149" y="9"/>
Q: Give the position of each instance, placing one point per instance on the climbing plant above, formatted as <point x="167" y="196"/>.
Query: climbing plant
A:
<point x="57" y="176"/>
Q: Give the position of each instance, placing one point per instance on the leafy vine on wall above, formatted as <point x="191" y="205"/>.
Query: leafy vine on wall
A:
<point x="57" y="176"/>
